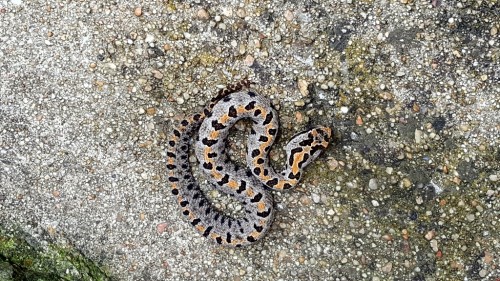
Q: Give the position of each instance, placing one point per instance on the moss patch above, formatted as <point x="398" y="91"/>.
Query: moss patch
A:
<point x="23" y="259"/>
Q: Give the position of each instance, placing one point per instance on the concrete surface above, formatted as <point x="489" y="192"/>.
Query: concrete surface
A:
<point x="407" y="191"/>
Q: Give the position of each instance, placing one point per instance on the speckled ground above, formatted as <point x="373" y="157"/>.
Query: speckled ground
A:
<point x="408" y="190"/>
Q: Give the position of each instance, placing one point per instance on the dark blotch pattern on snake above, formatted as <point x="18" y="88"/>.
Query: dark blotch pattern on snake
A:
<point x="246" y="185"/>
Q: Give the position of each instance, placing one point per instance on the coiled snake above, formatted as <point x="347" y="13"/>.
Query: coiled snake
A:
<point x="248" y="185"/>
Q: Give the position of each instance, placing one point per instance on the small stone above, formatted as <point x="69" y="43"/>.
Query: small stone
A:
<point x="330" y="212"/>
<point x="179" y="100"/>
<point x="387" y="267"/>
<point x="372" y="184"/>
<point x="157" y="74"/>
<point x="406" y="182"/>
<point x="464" y="127"/>
<point x="419" y="200"/>
<point x="138" y="11"/>
<point x="418" y="136"/>
<point x="405" y="234"/>
<point x="483" y="273"/>
<point x="321" y="78"/>
<point x="387" y="237"/>
<point x="387" y="96"/>
<point x="302" y="84"/>
<point x="316" y="198"/>
<point x="359" y="121"/>
<point x="484" y="77"/>
<point x="242" y="49"/>
<point x="111" y="67"/>
<point x="299" y="117"/>
<point x="493" y="178"/>
<point x="332" y="163"/>
<point x="289" y="15"/>
<point x="470" y="217"/>
<point x="415" y="107"/>
<point x="455" y="265"/>
<point x="217" y="18"/>
<point x="302" y="259"/>
<point x="429" y="235"/>
<point x="488" y="257"/>
<point x="434" y="245"/>
<point x="202" y="14"/>
<point x="160" y="228"/>
<point x="241" y="13"/>
<point x="305" y="200"/>
<point x="151" y="111"/>
<point x="389" y="170"/>
<point x="149" y="38"/>
<point x="456" y="180"/>
<point x="249" y="60"/>
<point x="344" y="109"/>
<point x="400" y="74"/>
<point x="354" y="136"/>
<point x="299" y="103"/>
<point x="375" y="203"/>
<point x="445" y="169"/>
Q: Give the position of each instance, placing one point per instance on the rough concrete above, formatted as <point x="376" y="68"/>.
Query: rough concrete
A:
<point x="407" y="191"/>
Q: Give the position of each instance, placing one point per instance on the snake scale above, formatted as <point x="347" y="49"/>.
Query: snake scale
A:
<point x="247" y="185"/>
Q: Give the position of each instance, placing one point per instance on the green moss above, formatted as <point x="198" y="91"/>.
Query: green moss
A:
<point x="23" y="259"/>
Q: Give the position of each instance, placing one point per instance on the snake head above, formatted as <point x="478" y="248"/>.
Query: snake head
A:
<point x="304" y="147"/>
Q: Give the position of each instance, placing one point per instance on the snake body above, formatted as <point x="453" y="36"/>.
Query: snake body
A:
<point x="248" y="185"/>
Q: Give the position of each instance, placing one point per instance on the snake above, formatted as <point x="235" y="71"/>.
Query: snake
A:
<point x="249" y="185"/>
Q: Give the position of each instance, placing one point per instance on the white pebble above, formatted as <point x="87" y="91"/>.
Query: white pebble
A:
<point x="316" y="198"/>
<point x="418" y="136"/>
<point x="493" y="178"/>
<point x="470" y="217"/>
<point x="149" y="38"/>
<point x="434" y="245"/>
